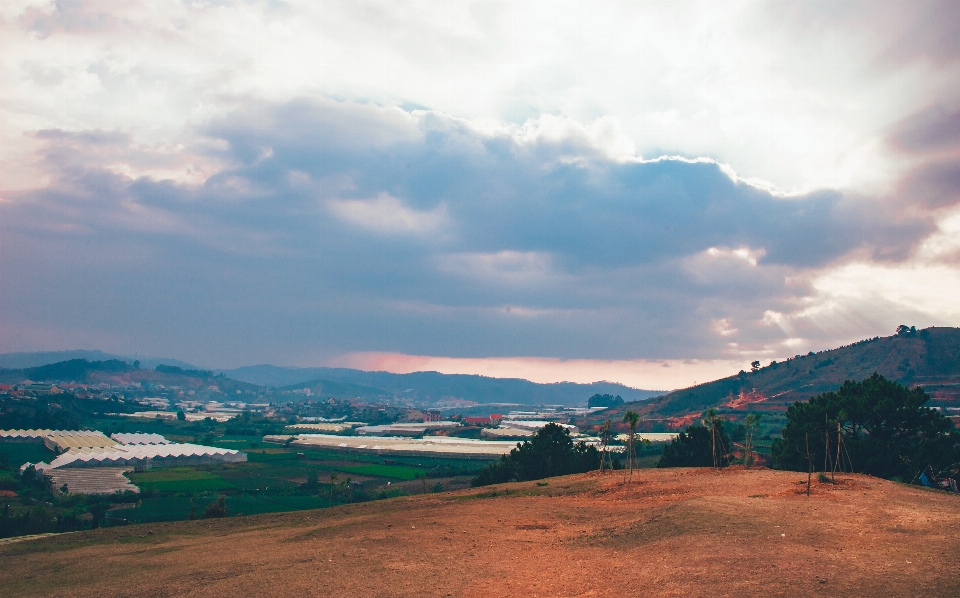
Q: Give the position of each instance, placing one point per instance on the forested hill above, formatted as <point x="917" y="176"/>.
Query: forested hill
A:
<point x="928" y="358"/>
<point x="119" y="373"/>
<point x="19" y="361"/>
<point x="73" y="370"/>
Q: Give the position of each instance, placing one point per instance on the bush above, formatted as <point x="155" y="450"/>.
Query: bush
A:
<point x="217" y="508"/>
<point x="7" y="482"/>
<point x="36" y="480"/>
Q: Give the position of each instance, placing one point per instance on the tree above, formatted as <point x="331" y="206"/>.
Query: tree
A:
<point x="884" y="429"/>
<point x="599" y="400"/>
<point x="631" y="417"/>
<point x="755" y="366"/>
<point x="181" y="416"/>
<point x="751" y="423"/>
<point x="718" y="444"/>
<point x="605" y="443"/>
<point x="312" y="485"/>
<point x="98" y="510"/>
<point x="694" y="448"/>
<point x="904" y="330"/>
<point x="333" y="485"/>
<point x="550" y="452"/>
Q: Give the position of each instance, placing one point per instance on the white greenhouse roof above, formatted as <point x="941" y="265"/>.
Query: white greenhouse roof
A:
<point x="144" y="454"/>
<point x="527" y="424"/>
<point x="430" y="445"/>
<point x="138" y="438"/>
<point x="61" y="440"/>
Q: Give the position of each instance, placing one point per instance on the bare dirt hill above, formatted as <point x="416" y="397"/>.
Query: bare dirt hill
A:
<point x="668" y="532"/>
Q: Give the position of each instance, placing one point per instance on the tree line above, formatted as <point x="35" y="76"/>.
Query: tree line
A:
<point x="875" y="426"/>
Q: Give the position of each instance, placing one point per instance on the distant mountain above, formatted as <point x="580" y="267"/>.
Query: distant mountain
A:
<point x="434" y="386"/>
<point x="272" y="375"/>
<point x="928" y="358"/>
<point x="418" y="387"/>
<point x="29" y="360"/>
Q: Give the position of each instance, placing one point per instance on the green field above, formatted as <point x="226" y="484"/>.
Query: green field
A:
<point x="383" y="471"/>
<point x="206" y="485"/>
<point x="180" y="479"/>
<point x="165" y="508"/>
<point x="18" y="453"/>
<point x="273" y="479"/>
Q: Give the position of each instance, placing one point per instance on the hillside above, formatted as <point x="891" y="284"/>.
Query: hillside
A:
<point x="329" y="388"/>
<point x="682" y="532"/>
<point x="433" y="386"/>
<point x="117" y="373"/>
<point x="928" y="358"/>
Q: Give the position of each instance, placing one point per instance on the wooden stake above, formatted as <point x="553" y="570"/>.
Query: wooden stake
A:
<point x="836" y="465"/>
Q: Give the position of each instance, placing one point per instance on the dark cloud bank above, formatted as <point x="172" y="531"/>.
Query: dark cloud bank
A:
<point x="343" y="227"/>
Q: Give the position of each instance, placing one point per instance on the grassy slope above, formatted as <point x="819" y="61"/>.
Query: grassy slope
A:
<point x="668" y="532"/>
<point x="928" y="360"/>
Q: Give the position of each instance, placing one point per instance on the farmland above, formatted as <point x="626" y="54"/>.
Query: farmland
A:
<point x="666" y="532"/>
<point x="277" y="479"/>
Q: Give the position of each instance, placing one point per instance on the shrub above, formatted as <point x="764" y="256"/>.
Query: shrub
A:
<point x="7" y="482"/>
<point x="217" y="508"/>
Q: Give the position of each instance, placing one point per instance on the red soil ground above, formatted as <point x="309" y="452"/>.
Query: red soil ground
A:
<point x="668" y="532"/>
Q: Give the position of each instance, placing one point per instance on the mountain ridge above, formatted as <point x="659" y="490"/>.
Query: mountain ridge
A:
<point x="435" y="385"/>
<point x="418" y="387"/>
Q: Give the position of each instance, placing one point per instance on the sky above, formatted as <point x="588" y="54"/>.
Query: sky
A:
<point x="654" y="193"/>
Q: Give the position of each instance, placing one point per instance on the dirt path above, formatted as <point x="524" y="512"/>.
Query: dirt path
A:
<point x="669" y="532"/>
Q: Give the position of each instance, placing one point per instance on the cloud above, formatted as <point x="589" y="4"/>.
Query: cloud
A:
<point x="333" y="190"/>
<point x="593" y="258"/>
<point x="387" y="214"/>
<point x="736" y="81"/>
<point x="507" y="267"/>
<point x="930" y="130"/>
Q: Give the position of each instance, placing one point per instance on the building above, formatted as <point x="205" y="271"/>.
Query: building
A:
<point x="405" y="429"/>
<point x="76" y="449"/>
